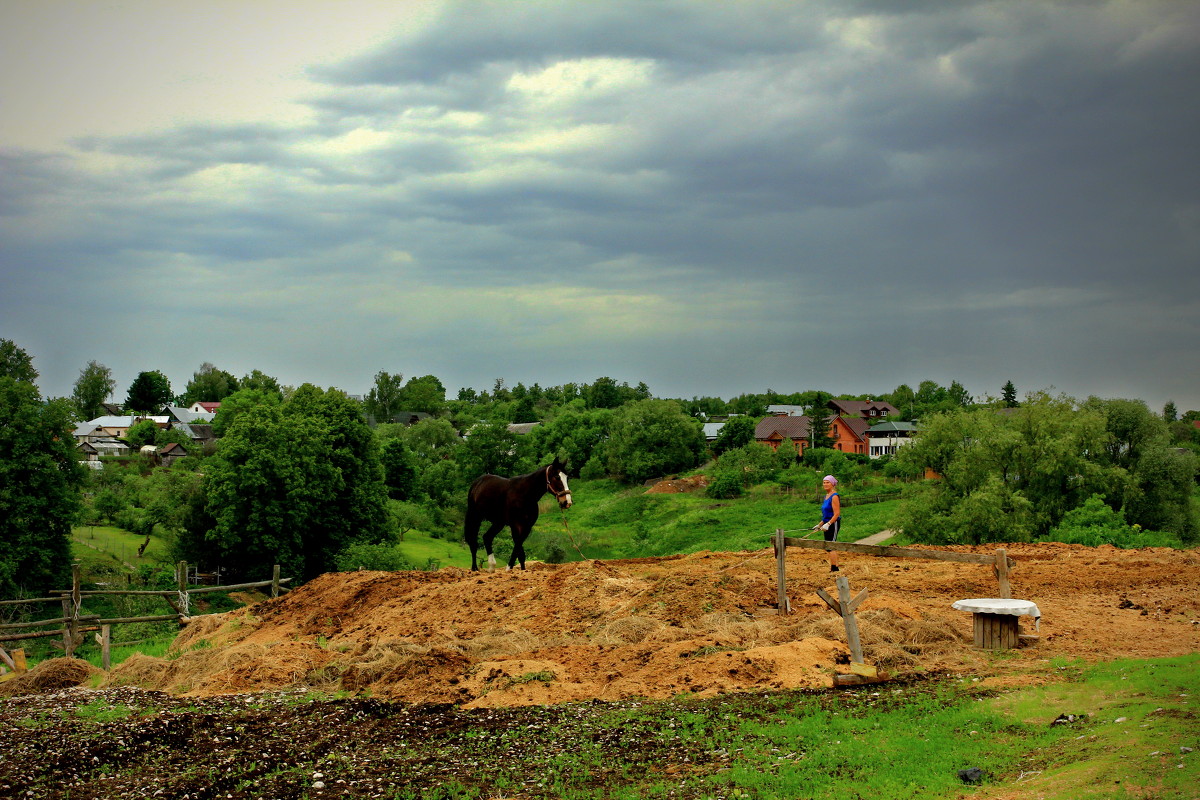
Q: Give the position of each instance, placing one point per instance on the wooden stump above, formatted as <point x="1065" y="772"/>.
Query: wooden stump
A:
<point x="996" y="631"/>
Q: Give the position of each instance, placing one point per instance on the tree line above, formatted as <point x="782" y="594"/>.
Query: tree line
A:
<point x="301" y="475"/>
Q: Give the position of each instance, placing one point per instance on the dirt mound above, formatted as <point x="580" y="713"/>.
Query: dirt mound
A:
<point x="656" y="627"/>
<point x="696" y="483"/>
<point x="49" y="676"/>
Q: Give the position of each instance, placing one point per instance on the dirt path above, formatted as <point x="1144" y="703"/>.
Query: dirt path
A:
<point x="702" y="624"/>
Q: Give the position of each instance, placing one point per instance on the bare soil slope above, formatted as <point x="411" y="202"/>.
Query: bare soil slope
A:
<point x="702" y="623"/>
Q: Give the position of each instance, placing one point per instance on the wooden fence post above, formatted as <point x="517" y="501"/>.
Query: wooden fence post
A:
<point x="781" y="572"/>
<point x="181" y="582"/>
<point x="1001" y="570"/>
<point x="275" y="581"/>
<point x="104" y="639"/>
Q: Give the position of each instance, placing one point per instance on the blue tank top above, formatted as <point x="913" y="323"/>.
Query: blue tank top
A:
<point x="827" y="508"/>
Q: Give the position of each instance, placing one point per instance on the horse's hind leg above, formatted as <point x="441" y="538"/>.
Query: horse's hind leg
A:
<point x="471" y="534"/>
<point x="488" y="537"/>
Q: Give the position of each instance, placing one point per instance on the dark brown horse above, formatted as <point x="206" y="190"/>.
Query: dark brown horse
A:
<point x="512" y="502"/>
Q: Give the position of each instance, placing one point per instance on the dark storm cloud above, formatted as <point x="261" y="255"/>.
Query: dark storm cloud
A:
<point x="941" y="189"/>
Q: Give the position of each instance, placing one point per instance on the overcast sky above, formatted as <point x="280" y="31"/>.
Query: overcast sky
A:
<point x="711" y="197"/>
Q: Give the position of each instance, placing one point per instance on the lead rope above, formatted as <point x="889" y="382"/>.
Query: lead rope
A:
<point x="567" y="528"/>
<point x="558" y="496"/>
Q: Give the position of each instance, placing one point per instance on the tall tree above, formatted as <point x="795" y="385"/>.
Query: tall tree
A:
<point x="94" y="385"/>
<point x="257" y="379"/>
<point x="295" y="484"/>
<point x="425" y="394"/>
<point x="650" y="438"/>
<point x="15" y="363"/>
<point x="39" y="489"/>
<point x="737" y="432"/>
<point x="385" y="397"/>
<point x="209" y="385"/>
<point x="148" y="393"/>
<point x="820" y="419"/>
<point x="1008" y="395"/>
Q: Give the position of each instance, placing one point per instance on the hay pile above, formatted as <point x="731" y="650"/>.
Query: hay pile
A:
<point x="50" y="676"/>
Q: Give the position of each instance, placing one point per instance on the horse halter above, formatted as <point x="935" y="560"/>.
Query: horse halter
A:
<point x="550" y="487"/>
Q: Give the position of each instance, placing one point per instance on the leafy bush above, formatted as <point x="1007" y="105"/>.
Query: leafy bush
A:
<point x="725" y="484"/>
<point x="1095" y="523"/>
<point x="385" y="557"/>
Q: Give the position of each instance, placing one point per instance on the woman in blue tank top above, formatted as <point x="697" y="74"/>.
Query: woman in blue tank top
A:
<point x="831" y="517"/>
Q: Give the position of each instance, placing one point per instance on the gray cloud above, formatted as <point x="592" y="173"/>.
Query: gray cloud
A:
<point x="713" y="199"/>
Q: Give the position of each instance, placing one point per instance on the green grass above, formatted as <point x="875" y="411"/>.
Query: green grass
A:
<point x="609" y="520"/>
<point x="419" y="548"/>
<point x="116" y="545"/>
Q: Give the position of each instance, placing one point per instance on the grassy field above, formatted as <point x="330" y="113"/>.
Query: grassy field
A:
<point x="611" y="521"/>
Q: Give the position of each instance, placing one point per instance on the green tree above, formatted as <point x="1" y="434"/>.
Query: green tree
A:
<point x="1008" y="395"/>
<point x="385" y="397"/>
<point x="575" y="436"/>
<point x="604" y="393"/>
<point x="653" y="437"/>
<point x="426" y="394"/>
<point x="432" y="440"/>
<point x="141" y="434"/>
<point x="240" y="401"/>
<point x="1006" y="477"/>
<point x="148" y="393"/>
<point x="296" y="484"/>
<point x="39" y="485"/>
<point x="399" y="469"/>
<point x="820" y="419"/>
<point x="257" y="379"/>
<point x="15" y="363"/>
<point x="209" y="385"/>
<point x="1170" y="412"/>
<point x="93" y="386"/>
<point x="737" y="432"/>
<point x="490" y="448"/>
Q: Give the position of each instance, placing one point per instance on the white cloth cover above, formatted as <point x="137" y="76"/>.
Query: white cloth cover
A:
<point x="997" y="605"/>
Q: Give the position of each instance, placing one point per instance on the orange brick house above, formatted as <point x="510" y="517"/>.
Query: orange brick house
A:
<point x="849" y="434"/>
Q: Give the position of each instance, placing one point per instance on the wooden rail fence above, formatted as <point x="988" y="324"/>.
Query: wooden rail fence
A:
<point x="1001" y="564"/>
<point x="75" y="623"/>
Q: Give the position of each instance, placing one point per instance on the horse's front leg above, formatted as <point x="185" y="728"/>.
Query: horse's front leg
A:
<point x="519" y="535"/>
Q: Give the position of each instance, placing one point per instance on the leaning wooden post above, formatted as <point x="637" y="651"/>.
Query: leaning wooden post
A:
<point x="846" y="606"/>
<point x="1001" y="570"/>
<point x="781" y="572"/>
<point x="275" y="581"/>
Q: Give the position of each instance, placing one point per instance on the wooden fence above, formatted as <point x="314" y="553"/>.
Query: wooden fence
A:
<point x="74" y="623"/>
<point x="1001" y="564"/>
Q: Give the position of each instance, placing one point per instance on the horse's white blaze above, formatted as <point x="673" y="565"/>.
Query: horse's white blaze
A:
<point x="562" y="476"/>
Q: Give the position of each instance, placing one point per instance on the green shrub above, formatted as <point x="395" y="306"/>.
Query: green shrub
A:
<point x="725" y="484"/>
<point x="1095" y="523"/>
<point x="385" y="557"/>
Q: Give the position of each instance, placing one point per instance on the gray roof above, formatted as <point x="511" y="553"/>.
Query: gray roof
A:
<point x="791" y="411"/>
<point x="891" y="427"/>
<point x="711" y="429"/>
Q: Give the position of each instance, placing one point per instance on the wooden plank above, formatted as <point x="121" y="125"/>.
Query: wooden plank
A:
<point x="11" y="626"/>
<point x="829" y="601"/>
<point x="995" y="631"/>
<point x="891" y="551"/>
<point x="866" y="670"/>
<point x="29" y="600"/>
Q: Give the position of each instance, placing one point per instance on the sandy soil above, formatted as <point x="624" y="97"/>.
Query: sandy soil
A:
<point x="703" y="624"/>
